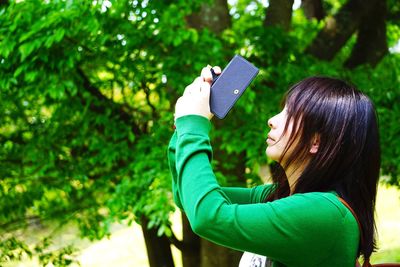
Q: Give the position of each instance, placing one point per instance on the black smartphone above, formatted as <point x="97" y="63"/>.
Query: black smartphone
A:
<point x="227" y="87"/>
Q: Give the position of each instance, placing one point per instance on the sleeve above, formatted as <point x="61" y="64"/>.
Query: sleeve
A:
<point x="172" y="169"/>
<point x="283" y="230"/>
<point x="242" y="195"/>
<point x="238" y="195"/>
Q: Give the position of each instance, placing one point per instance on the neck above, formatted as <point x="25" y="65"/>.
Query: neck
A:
<point x="293" y="173"/>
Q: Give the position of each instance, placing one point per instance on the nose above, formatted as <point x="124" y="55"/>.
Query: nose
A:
<point x="270" y="124"/>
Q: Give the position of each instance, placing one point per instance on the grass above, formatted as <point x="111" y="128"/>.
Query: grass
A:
<point x="388" y="224"/>
<point x="126" y="247"/>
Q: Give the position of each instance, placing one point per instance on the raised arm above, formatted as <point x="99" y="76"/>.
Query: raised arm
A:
<point x="172" y="169"/>
<point x="237" y="195"/>
<point x="283" y="230"/>
<point x="243" y="195"/>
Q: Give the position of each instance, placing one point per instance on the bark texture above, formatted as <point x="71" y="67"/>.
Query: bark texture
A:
<point x="313" y="9"/>
<point x="371" y="45"/>
<point x="215" y="17"/>
<point x="199" y="252"/>
<point x="279" y="13"/>
<point x="158" y="247"/>
<point x="339" y="28"/>
<point x="214" y="255"/>
<point x="191" y="245"/>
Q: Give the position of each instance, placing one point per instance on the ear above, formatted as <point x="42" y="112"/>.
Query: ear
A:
<point x="315" y="144"/>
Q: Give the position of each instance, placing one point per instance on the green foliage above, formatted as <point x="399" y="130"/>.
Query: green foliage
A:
<point x="87" y="91"/>
<point x="12" y="249"/>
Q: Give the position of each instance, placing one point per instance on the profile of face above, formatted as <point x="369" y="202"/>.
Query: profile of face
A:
<point x="278" y="138"/>
<point x="325" y="138"/>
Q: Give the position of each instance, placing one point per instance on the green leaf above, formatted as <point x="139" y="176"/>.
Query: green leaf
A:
<point x="6" y="47"/>
<point x="59" y="34"/>
<point x="25" y="50"/>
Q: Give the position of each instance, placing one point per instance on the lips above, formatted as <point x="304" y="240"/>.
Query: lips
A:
<point x="270" y="140"/>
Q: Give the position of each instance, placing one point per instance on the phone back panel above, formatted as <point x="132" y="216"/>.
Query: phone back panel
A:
<point x="230" y="85"/>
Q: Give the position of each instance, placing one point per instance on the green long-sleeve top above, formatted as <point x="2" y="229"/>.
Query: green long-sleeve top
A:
<point x="310" y="229"/>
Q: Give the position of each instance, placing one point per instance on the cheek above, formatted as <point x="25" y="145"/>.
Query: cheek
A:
<point x="273" y="152"/>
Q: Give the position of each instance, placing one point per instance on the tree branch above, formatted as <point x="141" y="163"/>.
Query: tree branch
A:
<point x="147" y="92"/>
<point x="371" y="45"/>
<point x="117" y="109"/>
<point x="21" y="222"/>
<point x="313" y="9"/>
<point x="176" y="242"/>
<point x="4" y="3"/>
<point x="339" y="29"/>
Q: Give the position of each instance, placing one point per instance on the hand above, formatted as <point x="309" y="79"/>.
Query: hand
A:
<point x="196" y="97"/>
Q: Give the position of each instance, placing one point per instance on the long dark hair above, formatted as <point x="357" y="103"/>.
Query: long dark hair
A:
<point x="348" y="156"/>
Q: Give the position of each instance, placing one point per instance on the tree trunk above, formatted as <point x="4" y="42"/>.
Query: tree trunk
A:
<point x="213" y="255"/>
<point x="158" y="247"/>
<point x="4" y="3"/>
<point x="371" y="45"/>
<point x="238" y="160"/>
<point x="313" y="9"/>
<point x="279" y="13"/>
<point x="199" y="252"/>
<point x="338" y="29"/>
<point x="215" y="17"/>
<point x="191" y="245"/>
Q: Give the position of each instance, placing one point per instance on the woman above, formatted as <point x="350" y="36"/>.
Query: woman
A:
<point x="327" y="145"/>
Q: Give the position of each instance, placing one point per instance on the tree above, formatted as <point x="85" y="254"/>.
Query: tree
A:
<point x="313" y="9"/>
<point x="88" y="91"/>
<point x="279" y="13"/>
<point x="372" y="27"/>
<point x="339" y="28"/>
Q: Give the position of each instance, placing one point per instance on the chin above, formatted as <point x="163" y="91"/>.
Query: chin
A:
<point x="271" y="154"/>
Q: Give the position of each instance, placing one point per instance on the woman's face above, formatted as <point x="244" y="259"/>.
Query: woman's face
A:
<point x="276" y="141"/>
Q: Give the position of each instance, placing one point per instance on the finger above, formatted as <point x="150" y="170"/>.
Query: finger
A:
<point x="217" y="70"/>
<point x="187" y="90"/>
<point x="198" y="80"/>
<point x="205" y="89"/>
<point x="194" y="86"/>
<point x="206" y="74"/>
<point x="190" y="89"/>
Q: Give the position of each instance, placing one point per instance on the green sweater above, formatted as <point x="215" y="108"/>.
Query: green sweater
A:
<point x="310" y="229"/>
